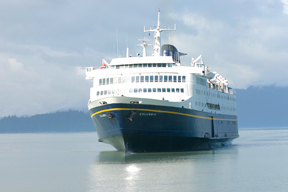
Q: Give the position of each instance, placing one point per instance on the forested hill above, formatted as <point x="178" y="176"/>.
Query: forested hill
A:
<point x="65" y="121"/>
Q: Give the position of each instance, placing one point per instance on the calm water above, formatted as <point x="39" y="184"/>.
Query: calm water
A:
<point x="257" y="161"/>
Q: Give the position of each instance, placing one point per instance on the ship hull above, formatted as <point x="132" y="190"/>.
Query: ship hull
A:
<point x="151" y="128"/>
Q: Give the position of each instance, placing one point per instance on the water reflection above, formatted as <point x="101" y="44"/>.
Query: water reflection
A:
<point x="119" y="157"/>
<point x="129" y="172"/>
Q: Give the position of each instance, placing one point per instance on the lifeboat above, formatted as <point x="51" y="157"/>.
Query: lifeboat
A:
<point x="103" y="66"/>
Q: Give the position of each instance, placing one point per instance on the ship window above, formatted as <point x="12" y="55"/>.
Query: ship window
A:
<point x="179" y="79"/>
<point x="140" y="65"/>
<point x="130" y="90"/>
<point x="137" y="79"/>
<point x="133" y="79"/>
<point x="156" y="78"/>
<point x="105" y="92"/>
<point x="163" y="64"/>
<point x="144" y="65"/>
<point x="154" y="89"/>
<point x="119" y="79"/>
<point x="173" y="90"/>
<point x="182" y="90"/>
<point x="196" y="104"/>
<point x="158" y="89"/>
<point x="101" y="93"/>
<point x="154" y="65"/>
<point x="177" y="90"/>
<point x="100" y="81"/>
<point x="107" y="81"/>
<point x="109" y="92"/>
<point x="169" y="64"/>
<point x="183" y="79"/>
<point x="151" y="78"/>
<point x="146" y="78"/>
<point x="97" y="93"/>
<point x="149" y="90"/>
<point x="113" y="91"/>
<point x="115" y="80"/>
<point x="135" y="66"/>
<point x="168" y="89"/>
<point x="123" y="80"/>
<point x="130" y="66"/>
<point x="165" y="78"/>
<point x="126" y="66"/>
<point x="142" y="79"/>
<point x="103" y="82"/>
<point x="161" y="78"/>
<point x="170" y="78"/>
<point x="121" y="66"/>
<point x="159" y="65"/>
<point x="140" y="90"/>
<point x="111" y="80"/>
<point x="135" y="90"/>
<point x="150" y="65"/>
<point x="145" y="90"/>
<point x="117" y="66"/>
<point x="175" y="79"/>
<point x="128" y="79"/>
<point x="163" y="89"/>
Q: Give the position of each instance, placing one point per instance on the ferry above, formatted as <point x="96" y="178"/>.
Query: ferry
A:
<point x="154" y="103"/>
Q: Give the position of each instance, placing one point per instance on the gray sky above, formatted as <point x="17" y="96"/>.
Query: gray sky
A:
<point x="45" y="45"/>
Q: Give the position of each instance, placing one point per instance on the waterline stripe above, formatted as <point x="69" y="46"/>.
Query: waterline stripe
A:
<point x="159" y="111"/>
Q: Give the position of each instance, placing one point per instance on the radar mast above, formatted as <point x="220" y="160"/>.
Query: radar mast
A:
<point x="157" y="39"/>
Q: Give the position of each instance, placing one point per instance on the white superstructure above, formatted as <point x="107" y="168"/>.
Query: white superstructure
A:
<point x="161" y="78"/>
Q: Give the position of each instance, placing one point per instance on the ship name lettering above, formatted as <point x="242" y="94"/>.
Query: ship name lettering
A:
<point x="147" y="114"/>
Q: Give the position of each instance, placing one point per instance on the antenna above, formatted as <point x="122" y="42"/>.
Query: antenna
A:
<point x="144" y="45"/>
<point x="157" y="31"/>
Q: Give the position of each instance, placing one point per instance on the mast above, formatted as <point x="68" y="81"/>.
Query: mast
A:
<point x="157" y="39"/>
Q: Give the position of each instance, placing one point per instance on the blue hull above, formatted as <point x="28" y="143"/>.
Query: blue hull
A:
<point x="150" y="128"/>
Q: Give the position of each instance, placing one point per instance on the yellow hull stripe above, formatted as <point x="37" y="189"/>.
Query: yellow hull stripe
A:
<point x="159" y="111"/>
